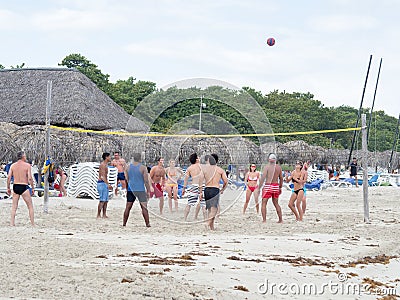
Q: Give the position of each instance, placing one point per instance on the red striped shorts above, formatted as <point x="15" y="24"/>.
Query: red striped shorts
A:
<point x="271" y="191"/>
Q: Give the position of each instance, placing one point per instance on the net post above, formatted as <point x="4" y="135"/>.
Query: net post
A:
<point x="365" y="166"/>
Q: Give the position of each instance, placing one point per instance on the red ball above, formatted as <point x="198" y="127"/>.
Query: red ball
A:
<point x="271" y="41"/>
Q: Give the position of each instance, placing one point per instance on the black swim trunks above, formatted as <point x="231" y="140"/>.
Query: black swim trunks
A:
<point x="211" y="195"/>
<point x="20" y="188"/>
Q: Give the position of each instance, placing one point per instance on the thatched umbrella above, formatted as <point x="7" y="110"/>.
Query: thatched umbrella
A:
<point x="76" y="100"/>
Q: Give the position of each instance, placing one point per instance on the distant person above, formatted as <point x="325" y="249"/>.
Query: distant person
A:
<point x="193" y="190"/>
<point x="298" y="178"/>
<point x="120" y="164"/>
<point x="138" y="187"/>
<point x="272" y="176"/>
<point x="212" y="174"/>
<point x="61" y="185"/>
<point x="304" y="200"/>
<point x="252" y="177"/>
<point x="22" y="174"/>
<point x="157" y="175"/>
<point x="103" y="186"/>
<point x="173" y="174"/>
<point x="35" y="172"/>
<point x="353" y="170"/>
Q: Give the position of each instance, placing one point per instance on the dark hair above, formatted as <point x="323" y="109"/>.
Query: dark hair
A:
<point x="215" y="157"/>
<point x="20" y="154"/>
<point x="192" y="158"/>
<point x="148" y="169"/>
<point x="210" y="159"/>
<point x="115" y="152"/>
<point x="105" y="155"/>
<point x="158" y="159"/>
<point x="137" y="157"/>
<point x="354" y="158"/>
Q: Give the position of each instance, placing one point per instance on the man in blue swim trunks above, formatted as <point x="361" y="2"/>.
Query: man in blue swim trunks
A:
<point x="21" y="171"/>
<point x="120" y="164"/>
<point x="103" y="186"/>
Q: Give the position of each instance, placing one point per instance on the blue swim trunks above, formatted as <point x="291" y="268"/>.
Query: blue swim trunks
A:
<point x="102" y="188"/>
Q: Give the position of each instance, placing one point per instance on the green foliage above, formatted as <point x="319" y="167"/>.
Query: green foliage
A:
<point x="1" y="67"/>
<point x="18" y="66"/>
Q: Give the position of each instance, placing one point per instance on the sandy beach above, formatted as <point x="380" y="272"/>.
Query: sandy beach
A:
<point x="332" y="254"/>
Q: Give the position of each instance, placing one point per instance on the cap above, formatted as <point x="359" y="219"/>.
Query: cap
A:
<point x="272" y="156"/>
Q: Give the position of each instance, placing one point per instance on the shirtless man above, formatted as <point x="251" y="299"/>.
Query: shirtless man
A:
<point x="194" y="172"/>
<point x="212" y="174"/>
<point x="103" y="185"/>
<point x="272" y="175"/>
<point x="120" y="164"/>
<point x="157" y="175"/>
<point x="21" y="171"/>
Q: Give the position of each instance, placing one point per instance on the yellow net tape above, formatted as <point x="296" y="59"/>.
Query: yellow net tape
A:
<point x="203" y="135"/>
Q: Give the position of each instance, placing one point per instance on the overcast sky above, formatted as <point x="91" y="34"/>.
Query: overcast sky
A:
<point x="322" y="46"/>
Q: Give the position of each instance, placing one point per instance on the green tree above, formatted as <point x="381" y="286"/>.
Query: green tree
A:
<point x="88" y="68"/>
<point x="1" y="67"/>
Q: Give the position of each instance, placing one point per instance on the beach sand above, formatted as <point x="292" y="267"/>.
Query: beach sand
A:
<point x="71" y="254"/>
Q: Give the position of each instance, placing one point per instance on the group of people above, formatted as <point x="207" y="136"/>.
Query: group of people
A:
<point x="203" y="192"/>
<point x="143" y="184"/>
<point x="270" y="181"/>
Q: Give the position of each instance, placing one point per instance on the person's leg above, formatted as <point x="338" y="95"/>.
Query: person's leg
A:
<point x="161" y="199"/>
<point x="246" y="203"/>
<point x="212" y="212"/>
<point x="187" y="210"/>
<point x="145" y="213"/>
<point x="62" y="186"/>
<point x="28" y="200"/>
<point x="128" y="208"/>
<point x="278" y="209"/>
<point x="304" y="204"/>
<point x="300" y="197"/>
<point x="264" y="209"/>
<point x="355" y="178"/>
<point x="175" y="190"/>
<point x="291" y="205"/>
<point x="196" y="212"/>
<point x="123" y="184"/>
<point x="105" y="210"/>
<point x="15" y="199"/>
<point x="256" y="194"/>
<point x="169" y="192"/>
<point x="99" y="209"/>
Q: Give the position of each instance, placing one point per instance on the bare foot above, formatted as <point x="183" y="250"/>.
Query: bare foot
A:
<point x="280" y="221"/>
<point x="105" y="217"/>
<point x="148" y="225"/>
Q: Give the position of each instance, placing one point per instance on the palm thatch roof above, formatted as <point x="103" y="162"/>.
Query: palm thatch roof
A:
<point x="76" y="100"/>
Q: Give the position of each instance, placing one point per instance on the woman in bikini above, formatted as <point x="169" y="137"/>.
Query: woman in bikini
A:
<point x="298" y="178"/>
<point x="251" y="179"/>
<point x="171" y="186"/>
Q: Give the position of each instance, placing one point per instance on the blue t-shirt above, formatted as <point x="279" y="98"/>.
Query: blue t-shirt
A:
<point x="136" y="180"/>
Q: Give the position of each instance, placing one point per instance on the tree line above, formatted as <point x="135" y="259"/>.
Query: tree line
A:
<point x="286" y="112"/>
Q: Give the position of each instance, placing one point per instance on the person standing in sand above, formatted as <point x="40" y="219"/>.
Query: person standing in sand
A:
<point x="103" y="185"/>
<point x="21" y="171"/>
<point x="298" y="178"/>
<point x="272" y="175"/>
<point x="251" y="178"/>
<point x="157" y="175"/>
<point x="212" y="174"/>
<point x="138" y="187"/>
<point x="171" y="186"/>
<point x="194" y="172"/>
<point x="120" y="164"/>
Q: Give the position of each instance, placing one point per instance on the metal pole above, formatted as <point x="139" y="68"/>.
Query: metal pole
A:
<point x="365" y="166"/>
<point x="47" y="149"/>
<point x="396" y="136"/>
<point x="373" y="100"/>
<point x="359" y="111"/>
<point x="201" y="106"/>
